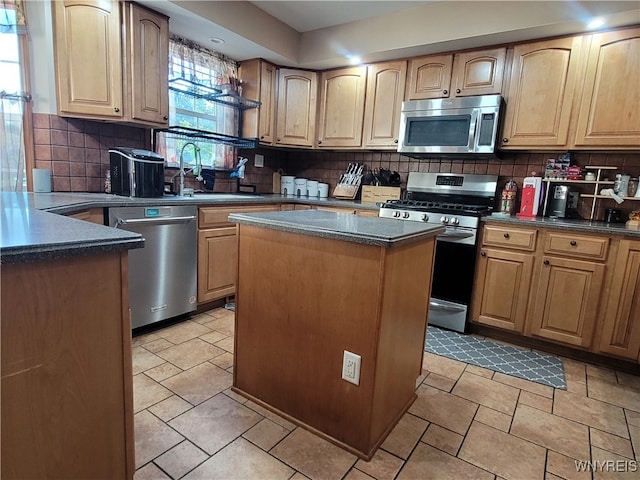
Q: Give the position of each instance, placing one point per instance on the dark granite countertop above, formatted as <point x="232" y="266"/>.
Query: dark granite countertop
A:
<point x="28" y="234"/>
<point x="382" y="232"/>
<point x="577" y="225"/>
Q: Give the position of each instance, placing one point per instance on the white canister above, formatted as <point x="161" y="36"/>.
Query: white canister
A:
<point x="300" y="187"/>
<point x="312" y="188"/>
<point x="41" y="180"/>
<point x="323" y="190"/>
<point x="287" y="185"/>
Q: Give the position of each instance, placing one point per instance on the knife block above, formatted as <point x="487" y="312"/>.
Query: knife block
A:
<point x="346" y="191"/>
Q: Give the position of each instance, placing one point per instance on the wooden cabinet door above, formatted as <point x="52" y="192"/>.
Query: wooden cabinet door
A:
<point x="620" y="333"/>
<point x="88" y="58"/>
<point x="259" y="83"/>
<point x="429" y="77"/>
<point x="342" y="107"/>
<point x="540" y="94"/>
<point x="217" y="261"/>
<point x="502" y="285"/>
<point x="609" y="115"/>
<point x="147" y="65"/>
<point x="478" y="73"/>
<point x="296" y="107"/>
<point x="385" y="93"/>
<point x="566" y="301"/>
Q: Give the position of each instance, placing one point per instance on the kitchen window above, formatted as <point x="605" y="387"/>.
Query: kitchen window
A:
<point x="16" y="148"/>
<point x="194" y="72"/>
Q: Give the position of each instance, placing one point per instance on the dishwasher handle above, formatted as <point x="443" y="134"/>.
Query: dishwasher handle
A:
<point x="148" y="221"/>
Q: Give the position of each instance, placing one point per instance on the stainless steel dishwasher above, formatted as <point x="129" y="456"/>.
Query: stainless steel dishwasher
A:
<point x="163" y="274"/>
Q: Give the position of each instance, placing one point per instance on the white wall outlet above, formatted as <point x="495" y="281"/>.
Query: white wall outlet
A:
<point x="351" y="367"/>
<point x="258" y="160"/>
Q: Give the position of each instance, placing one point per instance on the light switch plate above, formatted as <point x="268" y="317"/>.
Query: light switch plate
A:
<point x="259" y="160"/>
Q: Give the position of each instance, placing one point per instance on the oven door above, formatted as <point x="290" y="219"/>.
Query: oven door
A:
<point x="452" y="284"/>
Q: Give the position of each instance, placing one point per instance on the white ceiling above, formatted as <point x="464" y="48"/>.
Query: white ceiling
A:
<point x="321" y="34"/>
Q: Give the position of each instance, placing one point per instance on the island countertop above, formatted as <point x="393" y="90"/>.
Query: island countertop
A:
<point x="340" y="226"/>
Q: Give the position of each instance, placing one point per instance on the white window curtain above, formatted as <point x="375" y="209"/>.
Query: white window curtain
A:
<point x="12" y="146"/>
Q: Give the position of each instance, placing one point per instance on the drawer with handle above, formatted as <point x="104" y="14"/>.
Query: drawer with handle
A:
<point x="510" y="237"/>
<point x="567" y="244"/>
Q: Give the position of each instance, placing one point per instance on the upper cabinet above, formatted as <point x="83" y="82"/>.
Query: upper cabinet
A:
<point x="259" y="82"/>
<point x="296" y="107"/>
<point x="111" y="65"/>
<point x="609" y="115"/>
<point x="383" y="103"/>
<point x="146" y="65"/>
<point x="429" y="77"/>
<point x="468" y="73"/>
<point x="88" y="58"/>
<point x="342" y="107"/>
<point x="540" y="94"/>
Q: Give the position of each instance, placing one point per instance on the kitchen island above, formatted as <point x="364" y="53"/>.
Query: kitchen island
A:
<point x="67" y="384"/>
<point x="313" y="285"/>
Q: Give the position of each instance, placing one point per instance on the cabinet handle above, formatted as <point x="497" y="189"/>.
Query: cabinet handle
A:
<point x="573" y="243"/>
<point x="506" y="235"/>
<point x="445" y="92"/>
<point x="319" y="142"/>
<point x="166" y="117"/>
<point x="484" y="254"/>
<point x="458" y="90"/>
<point x="277" y="139"/>
<point x="262" y="137"/>
<point x="116" y="109"/>
<point x="546" y="262"/>
<point x="505" y="140"/>
<point x="395" y="141"/>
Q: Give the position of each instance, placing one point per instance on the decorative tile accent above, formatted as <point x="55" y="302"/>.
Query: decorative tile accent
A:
<point x="534" y="366"/>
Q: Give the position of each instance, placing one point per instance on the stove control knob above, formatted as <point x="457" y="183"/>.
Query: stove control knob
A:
<point x="425" y="217"/>
<point x="405" y="215"/>
<point x="444" y="220"/>
<point x="454" y="221"/>
<point x="396" y="214"/>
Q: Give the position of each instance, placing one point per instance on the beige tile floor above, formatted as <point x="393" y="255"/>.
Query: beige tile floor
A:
<point x="467" y="423"/>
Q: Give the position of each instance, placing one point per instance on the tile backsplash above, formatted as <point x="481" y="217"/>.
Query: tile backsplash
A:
<point x="76" y="151"/>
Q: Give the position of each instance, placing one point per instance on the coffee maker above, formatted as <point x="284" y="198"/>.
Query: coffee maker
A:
<point x="563" y="202"/>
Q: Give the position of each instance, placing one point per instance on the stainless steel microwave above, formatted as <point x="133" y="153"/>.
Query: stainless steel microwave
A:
<point x="445" y="126"/>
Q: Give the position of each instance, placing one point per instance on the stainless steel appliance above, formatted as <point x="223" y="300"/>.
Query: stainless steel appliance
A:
<point x="136" y="172"/>
<point x="456" y="201"/>
<point x="464" y="125"/>
<point x="162" y="275"/>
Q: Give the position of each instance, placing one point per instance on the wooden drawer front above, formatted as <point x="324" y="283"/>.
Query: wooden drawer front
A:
<point x="510" y="237"/>
<point x="218" y="216"/>
<point x="576" y="246"/>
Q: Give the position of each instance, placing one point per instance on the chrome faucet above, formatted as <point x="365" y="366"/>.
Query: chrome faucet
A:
<point x="182" y="169"/>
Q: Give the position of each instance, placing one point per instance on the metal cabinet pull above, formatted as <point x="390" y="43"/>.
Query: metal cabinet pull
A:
<point x="484" y="254"/>
<point x="445" y="92"/>
<point x="506" y="235"/>
<point x="573" y="243"/>
<point x="457" y="90"/>
<point x="546" y="262"/>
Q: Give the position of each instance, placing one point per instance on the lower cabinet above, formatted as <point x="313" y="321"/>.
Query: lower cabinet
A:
<point x="576" y="289"/>
<point x="566" y="300"/>
<point x="505" y="280"/>
<point x="620" y="334"/>
<point x="218" y="250"/>
<point x="93" y="215"/>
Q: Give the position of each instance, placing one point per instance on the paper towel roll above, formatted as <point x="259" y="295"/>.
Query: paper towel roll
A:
<point x="41" y="180"/>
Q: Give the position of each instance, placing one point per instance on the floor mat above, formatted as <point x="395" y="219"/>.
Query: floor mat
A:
<point x="519" y="362"/>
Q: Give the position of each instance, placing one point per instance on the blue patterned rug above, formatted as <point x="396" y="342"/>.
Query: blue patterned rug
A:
<point x="518" y="362"/>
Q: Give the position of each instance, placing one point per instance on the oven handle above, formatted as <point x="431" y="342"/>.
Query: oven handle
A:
<point x="455" y="235"/>
<point x="445" y="308"/>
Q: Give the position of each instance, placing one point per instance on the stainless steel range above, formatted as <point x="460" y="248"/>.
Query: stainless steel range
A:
<point x="456" y="201"/>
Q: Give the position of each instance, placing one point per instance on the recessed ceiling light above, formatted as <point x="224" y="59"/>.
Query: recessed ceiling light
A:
<point x="216" y="40"/>
<point x="595" y="23"/>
